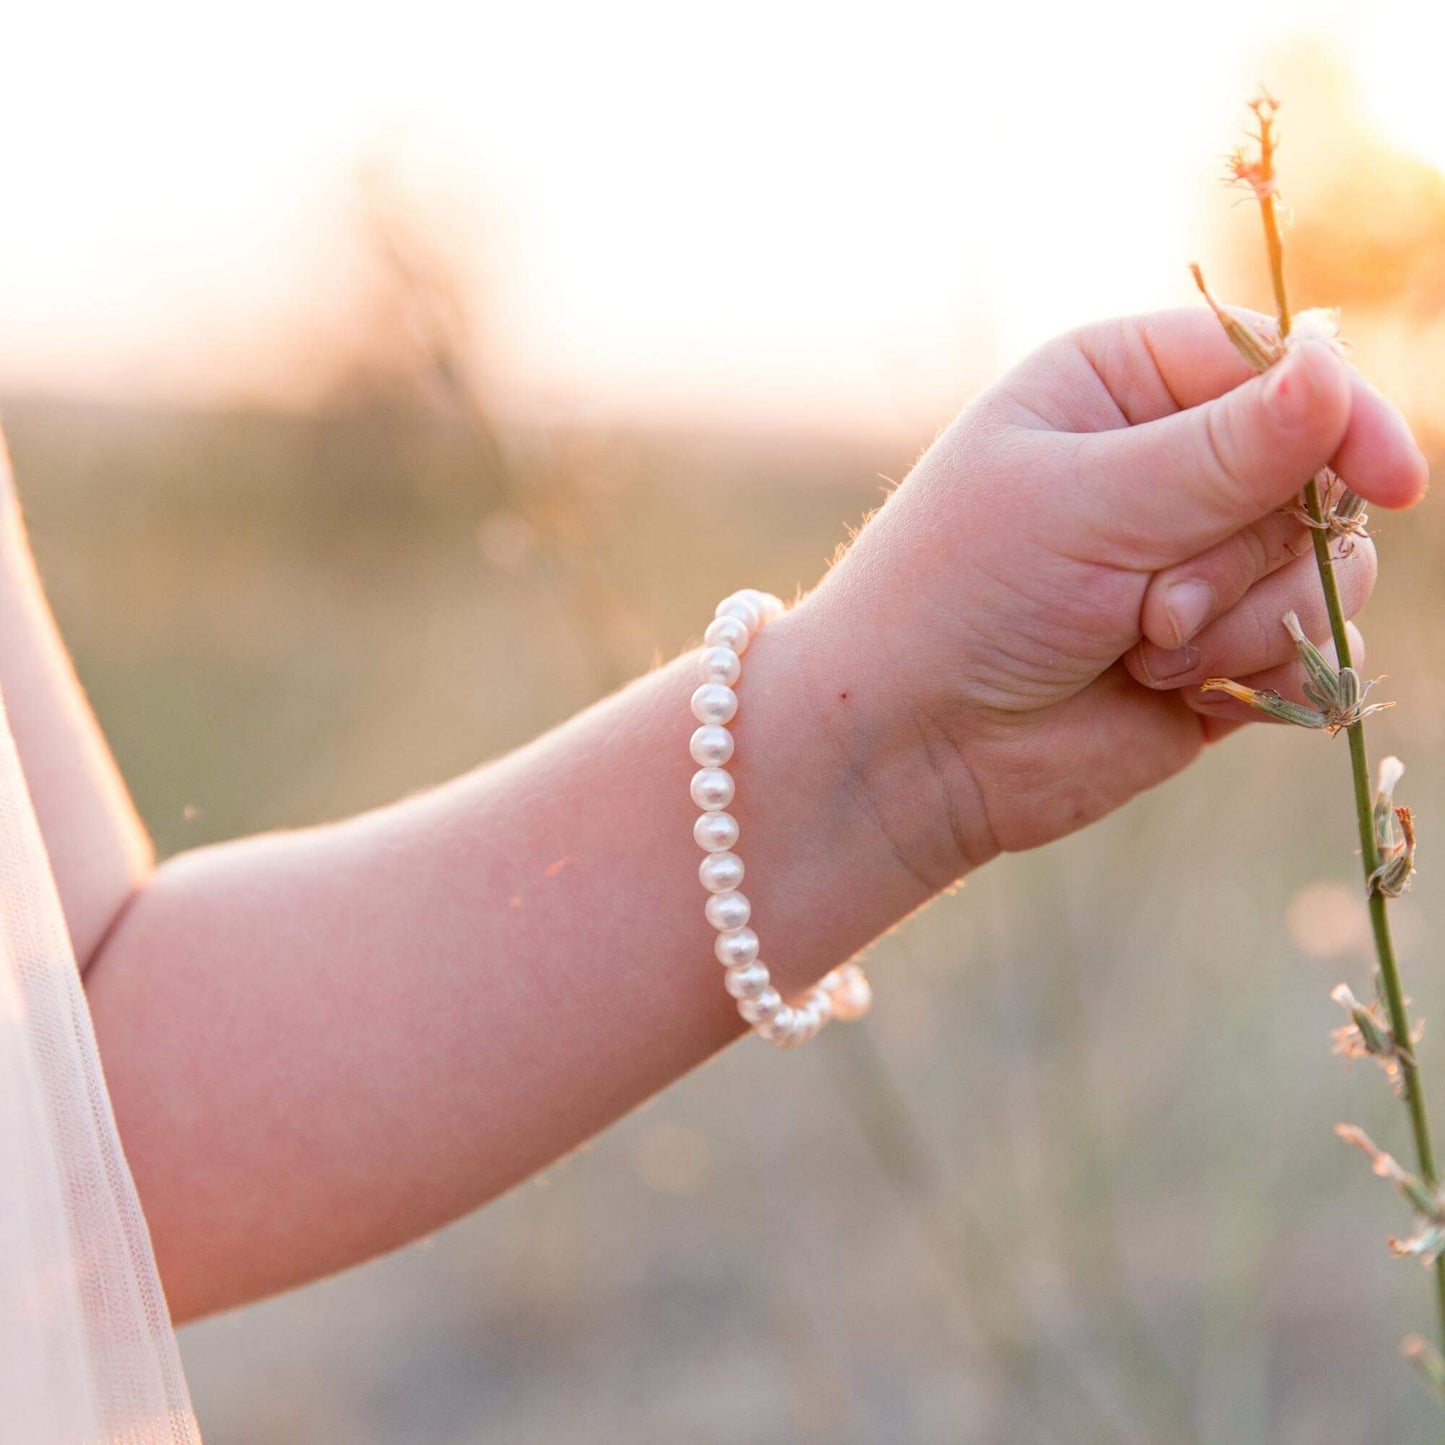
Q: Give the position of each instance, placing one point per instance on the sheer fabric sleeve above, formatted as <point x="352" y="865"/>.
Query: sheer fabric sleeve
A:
<point x="87" y="1353"/>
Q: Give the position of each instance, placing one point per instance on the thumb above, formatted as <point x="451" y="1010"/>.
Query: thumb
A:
<point x="1168" y="489"/>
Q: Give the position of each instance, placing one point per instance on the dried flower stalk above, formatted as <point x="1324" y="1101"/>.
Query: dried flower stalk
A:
<point x="1335" y="697"/>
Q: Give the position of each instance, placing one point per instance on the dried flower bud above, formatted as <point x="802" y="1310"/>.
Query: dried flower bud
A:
<point x="1267" y="701"/>
<point x="1394" y="834"/>
<point x="1427" y="1244"/>
<point x="1426" y="1202"/>
<point x="1380" y="1162"/>
<point x="1255" y="169"/>
<point x="1426" y="1360"/>
<point x="1388" y="776"/>
<point x="1260" y="352"/>
<point x="1342" y="510"/>
<point x="1392" y="877"/>
<point x="1338" y="695"/>
<point x="1318" y="323"/>
<point x="1323" y="685"/>
<point x="1349" y="510"/>
<point x="1369" y="1035"/>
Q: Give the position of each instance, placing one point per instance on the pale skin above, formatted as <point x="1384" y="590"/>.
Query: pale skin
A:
<point x="323" y="1043"/>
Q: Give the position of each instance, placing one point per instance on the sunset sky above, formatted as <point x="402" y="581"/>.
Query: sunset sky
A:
<point x="789" y="210"/>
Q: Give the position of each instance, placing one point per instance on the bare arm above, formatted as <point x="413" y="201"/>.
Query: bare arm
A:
<point x="322" y="1043"/>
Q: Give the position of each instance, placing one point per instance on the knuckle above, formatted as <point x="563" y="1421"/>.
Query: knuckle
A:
<point x="1271" y="641"/>
<point x="1216" y="448"/>
<point x="1218" y="438"/>
<point x="1255" y="552"/>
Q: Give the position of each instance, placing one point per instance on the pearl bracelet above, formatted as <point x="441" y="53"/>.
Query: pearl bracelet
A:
<point x="845" y="993"/>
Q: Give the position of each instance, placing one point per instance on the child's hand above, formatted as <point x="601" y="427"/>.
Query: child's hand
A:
<point x="1035" y="607"/>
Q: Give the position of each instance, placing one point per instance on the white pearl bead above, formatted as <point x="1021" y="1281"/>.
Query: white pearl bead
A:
<point x="760" y="1009"/>
<point x="715" y="832"/>
<point x="737" y="946"/>
<point x="821" y="1002"/>
<point x="726" y="911"/>
<point x="854" y="995"/>
<point x="777" y="1029"/>
<point x="727" y="632"/>
<point x="711" y="746"/>
<point x="806" y="1026"/>
<point x="714" y="702"/>
<point x="712" y="789"/>
<point x="719" y="664"/>
<point x="747" y="981"/>
<point x="742" y="609"/>
<point x="720" y="872"/>
<point x="770" y="608"/>
<point x="842" y="993"/>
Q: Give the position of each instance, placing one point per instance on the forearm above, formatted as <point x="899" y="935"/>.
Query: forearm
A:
<point x="99" y="851"/>
<point x="324" y="1043"/>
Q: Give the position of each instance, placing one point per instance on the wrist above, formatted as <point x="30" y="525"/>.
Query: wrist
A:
<point x="885" y="752"/>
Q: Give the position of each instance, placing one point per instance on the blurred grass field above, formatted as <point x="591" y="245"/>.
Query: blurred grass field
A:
<point x="1075" y="1183"/>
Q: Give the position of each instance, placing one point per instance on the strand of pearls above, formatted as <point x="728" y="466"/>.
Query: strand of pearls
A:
<point x="845" y="993"/>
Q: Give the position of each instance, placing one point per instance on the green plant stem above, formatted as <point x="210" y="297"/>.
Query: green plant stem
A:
<point x="1390" y="985"/>
<point x="1370" y="860"/>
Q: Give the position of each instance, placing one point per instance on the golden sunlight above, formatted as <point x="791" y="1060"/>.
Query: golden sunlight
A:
<point x="794" y="212"/>
<point x="1400" y="84"/>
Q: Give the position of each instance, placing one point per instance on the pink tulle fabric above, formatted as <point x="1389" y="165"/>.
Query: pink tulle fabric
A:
<point x="87" y="1353"/>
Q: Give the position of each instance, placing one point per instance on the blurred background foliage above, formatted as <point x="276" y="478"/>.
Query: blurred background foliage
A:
<point x="1073" y="1182"/>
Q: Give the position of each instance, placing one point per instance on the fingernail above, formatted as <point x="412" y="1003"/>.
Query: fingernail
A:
<point x="1164" y="666"/>
<point x="1188" y="606"/>
<point x="1292" y="388"/>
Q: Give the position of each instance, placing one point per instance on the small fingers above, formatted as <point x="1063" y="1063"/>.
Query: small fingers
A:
<point x="1379" y="457"/>
<point x="1181" y="600"/>
<point x="1250" y="637"/>
<point x="1160" y="492"/>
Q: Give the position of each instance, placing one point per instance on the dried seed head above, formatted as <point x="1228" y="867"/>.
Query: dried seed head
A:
<point x="1366" y="1033"/>
<point x="1369" y="1035"/>
<point x="1427" y="1244"/>
<point x="1260" y="352"/>
<point x="1269" y="702"/>
<point x="1338" y="695"/>
<point x="1394" y="834"/>
<point x="1425" y="1201"/>
<point x="1323" y="685"/>
<point x="1345" y="517"/>
<point x="1392" y="877"/>
<point x="1317" y="323"/>
<point x="1255" y="169"/>
<point x="1387" y="779"/>
<point x="1426" y="1360"/>
<point x="1350" y="508"/>
<point x="1343" y="511"/>
<point x="1380" y="1162"/>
